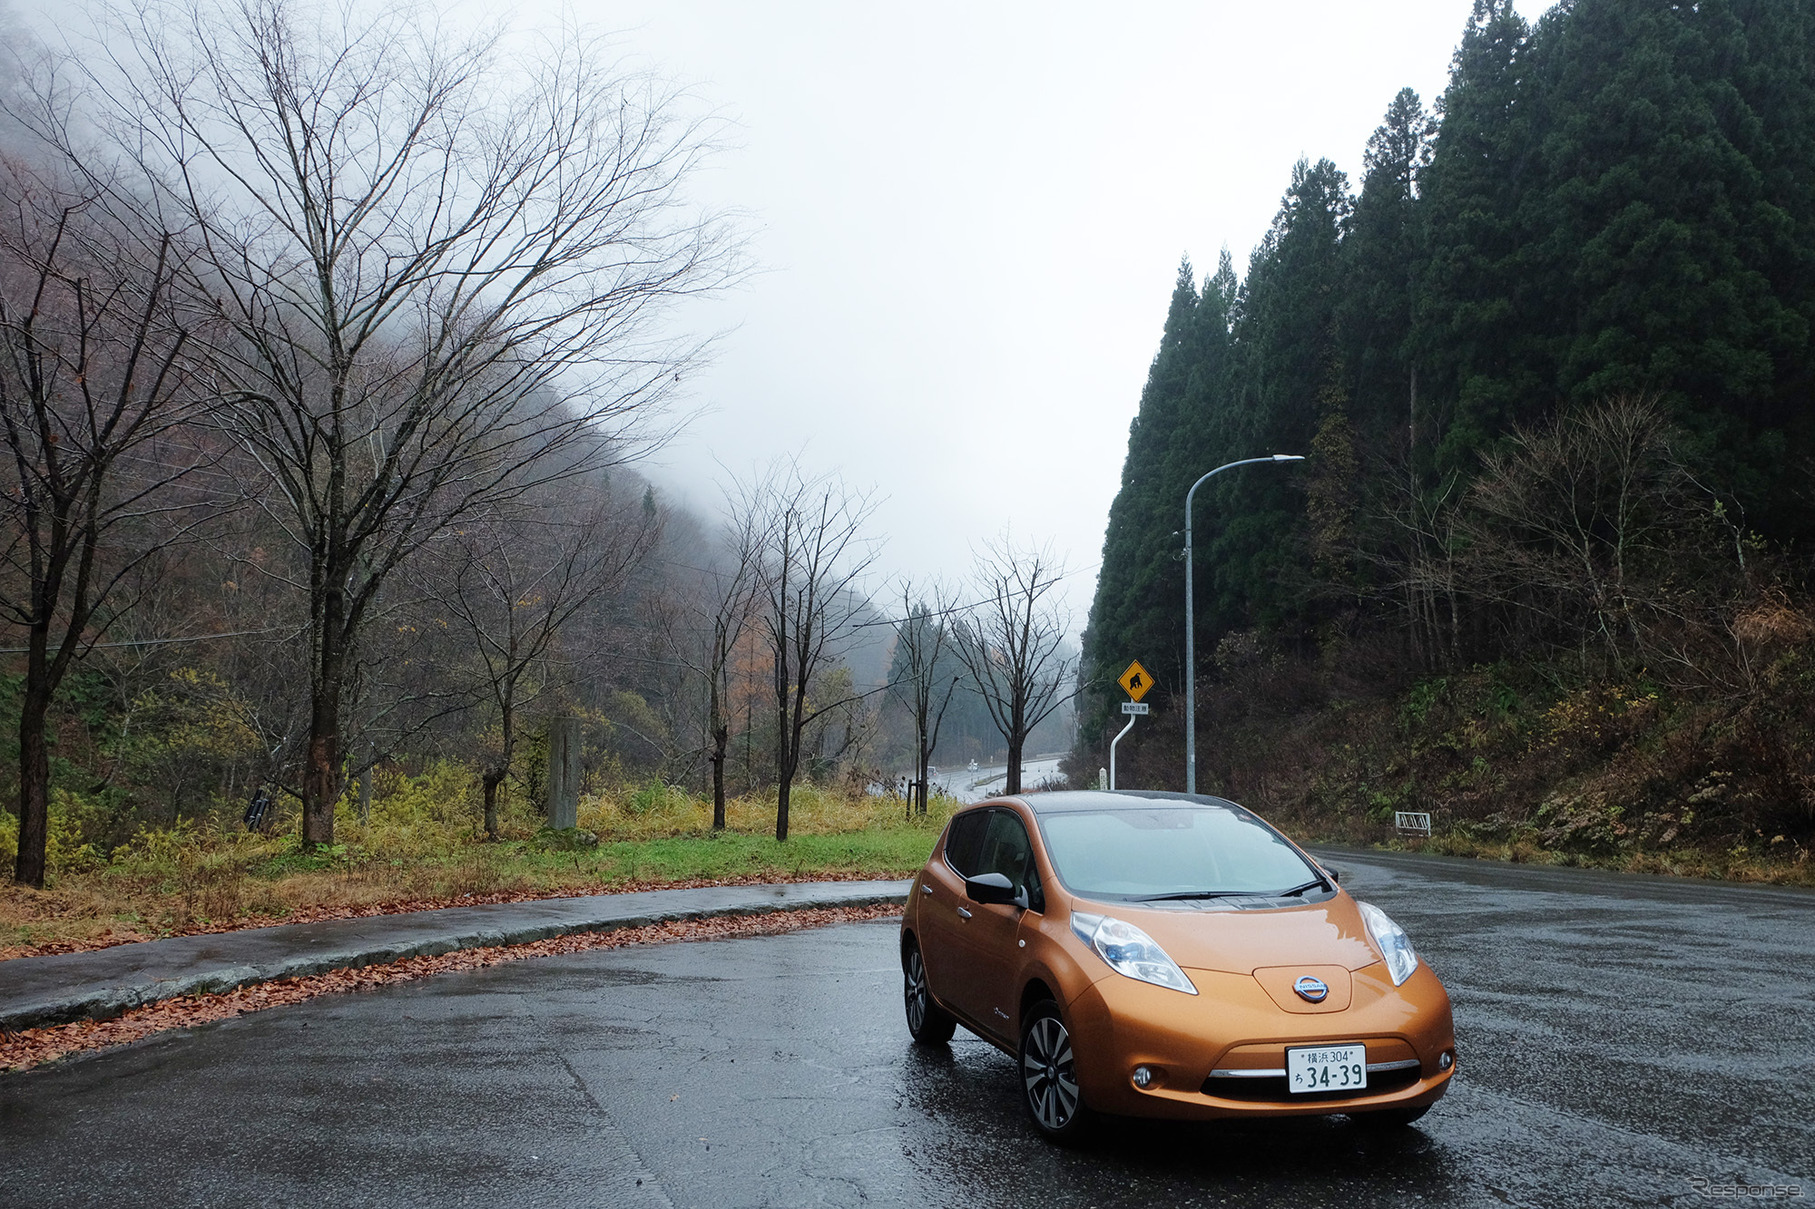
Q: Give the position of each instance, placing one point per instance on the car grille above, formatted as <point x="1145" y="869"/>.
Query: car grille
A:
<point x="1272" y="1087"/>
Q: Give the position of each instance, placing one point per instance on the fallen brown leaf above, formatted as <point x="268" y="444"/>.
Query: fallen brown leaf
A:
<point x="33" y="1047"/>
<point x="121" y="935"/>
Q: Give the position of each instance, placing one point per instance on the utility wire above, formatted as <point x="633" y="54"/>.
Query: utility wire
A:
<point x="858" y="625"/>
<point x="20" y="650"/>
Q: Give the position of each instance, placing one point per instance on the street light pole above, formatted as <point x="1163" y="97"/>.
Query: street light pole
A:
<point x="1191" y="629"/>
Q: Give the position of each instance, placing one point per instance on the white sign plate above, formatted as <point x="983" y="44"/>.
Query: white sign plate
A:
<point x="1135" y="707"/>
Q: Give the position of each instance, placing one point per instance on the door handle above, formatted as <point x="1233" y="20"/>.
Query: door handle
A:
<point x="925" y="889"/>
<point x="963" y="914"/>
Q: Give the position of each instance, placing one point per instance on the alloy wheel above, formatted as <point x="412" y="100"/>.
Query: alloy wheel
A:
<point x="1048" y="1073"/>
<point x="914" y="990"/>
<point x="929" y="1023"/>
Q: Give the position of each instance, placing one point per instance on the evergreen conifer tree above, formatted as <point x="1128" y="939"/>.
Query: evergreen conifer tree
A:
<point x="1474" y="283"/>
<point x="1126" y="621"/>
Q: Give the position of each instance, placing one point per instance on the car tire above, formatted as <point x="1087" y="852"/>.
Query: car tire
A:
<point x="927" y="1022"/>
<point x="1048" y="1073"/>
<point x="1390" y="1118"/>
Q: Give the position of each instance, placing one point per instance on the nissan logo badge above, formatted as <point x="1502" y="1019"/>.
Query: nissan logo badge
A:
<point x="1311" y="990"/>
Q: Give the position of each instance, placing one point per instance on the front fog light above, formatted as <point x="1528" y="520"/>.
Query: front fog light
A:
<point x="1142" y="1077"/>
<point x="1448" y="1060"/>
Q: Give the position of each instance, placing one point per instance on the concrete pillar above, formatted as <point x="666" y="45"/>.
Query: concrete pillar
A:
<point x="563" y="772"/>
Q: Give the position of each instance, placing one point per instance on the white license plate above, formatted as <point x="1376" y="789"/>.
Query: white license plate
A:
<point x="1327" y="1068"/>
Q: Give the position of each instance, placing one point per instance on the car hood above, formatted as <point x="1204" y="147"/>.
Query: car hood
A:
<point x="1239" y="942"/>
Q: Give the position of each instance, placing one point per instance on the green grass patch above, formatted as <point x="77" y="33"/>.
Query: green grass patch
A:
<point x="894" y="852"/>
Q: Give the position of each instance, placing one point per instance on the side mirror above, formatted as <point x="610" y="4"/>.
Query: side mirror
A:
<point x="1334" y="872"/>
<point x="990" y="888"/>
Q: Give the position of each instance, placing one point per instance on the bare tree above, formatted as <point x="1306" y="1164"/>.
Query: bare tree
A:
<point x="91" y="388"/>
<point x="813" y="557"/>
<point x="438" y="266"/>
<point x="712" y="624"/>
<point x="1409" y="546"/>
<point x="511" y="583"/>
<point x="1013" y="643"/>
<point x="1590" y="531"/>
<point x="924" y="642"/>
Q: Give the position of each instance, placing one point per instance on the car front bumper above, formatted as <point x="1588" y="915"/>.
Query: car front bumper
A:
<point x="1221" y="1052"/>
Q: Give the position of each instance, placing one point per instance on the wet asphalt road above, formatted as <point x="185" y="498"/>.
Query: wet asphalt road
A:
<point x="1620" y="1038"/>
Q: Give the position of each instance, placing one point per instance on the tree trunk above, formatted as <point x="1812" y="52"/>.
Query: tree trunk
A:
<point x="507" y="749"/>
<point x="321" y="763"/>
<point x="321" y="780"/>
<point x="926" y="763"/>
<point x="787" y="760"/>
<point x="1015" y="743"/>
<point x="34" y="778"/>
<point x="721" y="740"/>
<point x="787" y="751"/>
<point x="489" y="782"/>
<point x="720" y="728"/>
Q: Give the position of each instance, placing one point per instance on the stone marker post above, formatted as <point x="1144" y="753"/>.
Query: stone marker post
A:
<point x="563" y="772"/>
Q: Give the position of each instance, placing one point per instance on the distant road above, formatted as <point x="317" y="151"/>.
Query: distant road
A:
<point x="975" y="784"/>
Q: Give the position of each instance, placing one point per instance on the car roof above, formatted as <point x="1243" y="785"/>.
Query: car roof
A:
<point x="1094" y="800"/>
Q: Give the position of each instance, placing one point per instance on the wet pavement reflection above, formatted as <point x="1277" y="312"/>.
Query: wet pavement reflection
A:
<point x="1621" y="1039"/>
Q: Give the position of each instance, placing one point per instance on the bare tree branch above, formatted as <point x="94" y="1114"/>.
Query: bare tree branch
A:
<point x="437" y="270"/>
<point x="1012" y="643"/>
<point x="814" y="556"/>
<point x="93" y="386"/>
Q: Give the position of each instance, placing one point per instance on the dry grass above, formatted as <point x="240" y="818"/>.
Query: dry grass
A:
<point x="1788" y="865"/>
<point x="422" y="848"/>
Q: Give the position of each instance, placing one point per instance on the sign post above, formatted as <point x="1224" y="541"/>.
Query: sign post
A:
<point x="1135" y="682"/>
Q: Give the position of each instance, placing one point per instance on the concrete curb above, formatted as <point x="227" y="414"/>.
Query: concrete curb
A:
<point x="99" y="985"/>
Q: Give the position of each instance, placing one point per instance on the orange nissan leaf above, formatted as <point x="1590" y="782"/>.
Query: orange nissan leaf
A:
<point x="1168" y="955"/>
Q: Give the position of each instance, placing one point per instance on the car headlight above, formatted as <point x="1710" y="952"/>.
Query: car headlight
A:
<point x="1391" y="940"/>
<point x="1130" y="951"/>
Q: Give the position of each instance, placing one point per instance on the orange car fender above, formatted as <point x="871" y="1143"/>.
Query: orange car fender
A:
<point x="910" y="910"/>
<point x="1058" y="967"/>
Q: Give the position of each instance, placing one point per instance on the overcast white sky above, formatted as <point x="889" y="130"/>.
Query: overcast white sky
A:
<point x="968" y="217"/>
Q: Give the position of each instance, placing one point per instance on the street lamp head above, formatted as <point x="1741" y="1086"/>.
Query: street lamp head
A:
<point x="1288" y="457"/>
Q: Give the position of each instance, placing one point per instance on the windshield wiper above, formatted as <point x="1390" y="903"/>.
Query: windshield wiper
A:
<point x="1190" y="894"/>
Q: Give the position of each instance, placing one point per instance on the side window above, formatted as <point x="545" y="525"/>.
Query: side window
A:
<point x="1006" y="850"/>
<point x="964" y="844"/>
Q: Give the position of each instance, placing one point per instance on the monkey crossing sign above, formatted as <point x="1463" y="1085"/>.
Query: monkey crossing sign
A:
<point x="1136" y="681"/>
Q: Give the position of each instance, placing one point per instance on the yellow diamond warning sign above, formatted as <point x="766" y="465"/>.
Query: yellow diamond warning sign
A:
<point x="1135" y="681"/>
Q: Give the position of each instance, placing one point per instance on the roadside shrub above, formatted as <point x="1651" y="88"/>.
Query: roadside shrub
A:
<point x="66" y="849"/>
<point x="565" y="839"/>
<point x="657" y="797"/>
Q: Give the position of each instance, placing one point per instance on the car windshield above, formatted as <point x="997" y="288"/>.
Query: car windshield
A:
<point x="1185" y="851"/>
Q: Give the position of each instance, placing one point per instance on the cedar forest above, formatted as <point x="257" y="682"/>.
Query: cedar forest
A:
<point x="1544" y="570"/>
